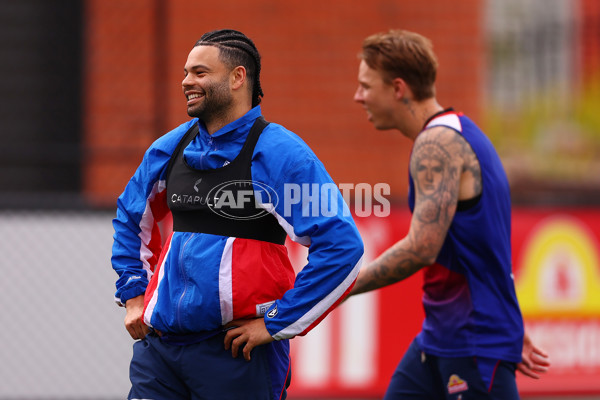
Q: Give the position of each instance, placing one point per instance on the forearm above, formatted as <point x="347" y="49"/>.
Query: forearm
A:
<point x="137" y="242"/>
<point x="134" y="271"/>
<point x="394" y="265"/>
<point x="319" y="287"/>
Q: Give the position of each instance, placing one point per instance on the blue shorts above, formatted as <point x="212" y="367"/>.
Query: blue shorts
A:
<point x="423" y="376"/>
<point x="167" y="370"/>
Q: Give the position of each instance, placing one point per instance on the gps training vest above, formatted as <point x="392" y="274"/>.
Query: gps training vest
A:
<point x="221" y="201"/>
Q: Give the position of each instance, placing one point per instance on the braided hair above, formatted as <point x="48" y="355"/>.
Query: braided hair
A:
<point x="237" y="49"/>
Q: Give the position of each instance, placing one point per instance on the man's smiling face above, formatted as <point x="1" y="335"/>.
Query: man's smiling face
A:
<point x="206" y="83"/>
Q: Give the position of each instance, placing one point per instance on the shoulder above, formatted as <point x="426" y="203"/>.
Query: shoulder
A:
<point x="444" y="143"/>
<point x="444" y="136"/>
<point x="278" y="141"/>
<point x="158" y="154"/>
<point x="169" y="141"/>
<point x="281" y="156"/>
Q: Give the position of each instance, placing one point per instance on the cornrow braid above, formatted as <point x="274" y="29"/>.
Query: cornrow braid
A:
<point x="237" y="49"/>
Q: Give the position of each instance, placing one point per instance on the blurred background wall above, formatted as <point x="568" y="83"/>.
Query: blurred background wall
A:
<point x="87" y="86"/>
<point x="134" y="66"/>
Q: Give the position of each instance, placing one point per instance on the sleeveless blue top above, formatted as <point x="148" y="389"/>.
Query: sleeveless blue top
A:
<point x="470" y="303"/>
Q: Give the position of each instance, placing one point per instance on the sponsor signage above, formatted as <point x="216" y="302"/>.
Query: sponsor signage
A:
<point x="556" y="263"/>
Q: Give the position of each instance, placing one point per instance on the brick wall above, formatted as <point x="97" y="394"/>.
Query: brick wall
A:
<point x="590" y="39"/>
<point x="134" y="66"/>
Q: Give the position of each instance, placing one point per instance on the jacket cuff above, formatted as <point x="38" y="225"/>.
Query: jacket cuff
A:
<point x="129" y="294"/>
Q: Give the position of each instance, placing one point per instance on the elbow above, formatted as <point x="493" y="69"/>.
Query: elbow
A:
<point x="428" y="255"/>
<point x="352" y="251"/>
<point x="359" y="249"/>
<point x="427" y="261"/>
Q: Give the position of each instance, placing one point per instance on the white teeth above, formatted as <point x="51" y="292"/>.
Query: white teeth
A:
<point x="194" y="96"/>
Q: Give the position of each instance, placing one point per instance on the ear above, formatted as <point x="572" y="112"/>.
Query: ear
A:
<point x="401" y="89"/>
<point x="238" y="77"/>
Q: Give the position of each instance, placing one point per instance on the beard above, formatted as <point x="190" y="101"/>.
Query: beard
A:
<point x="215" y="104"/>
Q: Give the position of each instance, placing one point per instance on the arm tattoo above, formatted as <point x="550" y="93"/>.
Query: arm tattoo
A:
<point x="436" y="164"/>
<point x="395" y="265"/>
<point x="436" y="181"/>
<point x="472" y="167"/>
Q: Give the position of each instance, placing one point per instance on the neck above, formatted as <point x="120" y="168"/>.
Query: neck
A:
<point x="419" y="113"/>
<point x="216" y="122"/>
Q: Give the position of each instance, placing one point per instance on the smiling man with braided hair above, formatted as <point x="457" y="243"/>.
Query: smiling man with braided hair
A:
<point x="222" y="284"/>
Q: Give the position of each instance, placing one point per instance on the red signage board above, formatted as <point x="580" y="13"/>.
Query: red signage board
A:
<point x="556" y="262"/>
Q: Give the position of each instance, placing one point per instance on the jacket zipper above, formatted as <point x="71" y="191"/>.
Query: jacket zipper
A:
<point x="185" y="282"/>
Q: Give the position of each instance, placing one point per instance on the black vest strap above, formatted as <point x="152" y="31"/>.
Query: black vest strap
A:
<point x="221" y="201"/>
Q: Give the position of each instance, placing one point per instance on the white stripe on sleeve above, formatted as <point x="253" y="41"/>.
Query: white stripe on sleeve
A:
<point x="321" y="307"/>
<point x="146" y="224"/>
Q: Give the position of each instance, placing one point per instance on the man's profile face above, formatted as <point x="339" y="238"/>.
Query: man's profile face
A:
<point x="206" y="83"/>
<point x="376" y="97"/>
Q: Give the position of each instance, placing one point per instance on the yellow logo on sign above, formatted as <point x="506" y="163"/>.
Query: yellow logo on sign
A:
<point x="560" y="270"/>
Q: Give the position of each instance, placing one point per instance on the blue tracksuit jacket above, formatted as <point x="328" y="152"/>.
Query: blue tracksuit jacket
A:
<point x="196" y="281"/>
